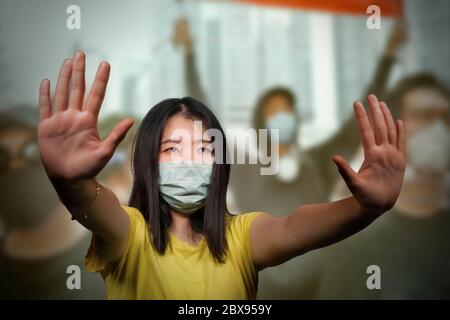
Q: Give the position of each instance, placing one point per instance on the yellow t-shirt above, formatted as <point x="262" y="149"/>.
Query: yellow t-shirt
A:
<point x="184" y="271"/>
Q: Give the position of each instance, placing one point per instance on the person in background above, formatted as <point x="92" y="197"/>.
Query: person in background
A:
<point x="39" y="241"/>
<point x="411" y="243"/>
<point x="305" y="176"/>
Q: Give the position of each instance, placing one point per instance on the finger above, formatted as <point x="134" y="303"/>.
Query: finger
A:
<point x="117" y="135"/>
<point x="62" y="86"/>
<point x="45" y="105"/>
<point x="401" y="137"/>
<point x="78" y="83"/>
<point x="367" y="138"/>
<point x="98" y="90"/>
<point x="347" y="173"/>
<point x="391" y="128"/>
<point x="379" y="124"/>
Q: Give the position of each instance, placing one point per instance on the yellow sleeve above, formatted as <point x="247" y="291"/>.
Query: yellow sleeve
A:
<point x="243" y="223"/>
<point x="93" y="263"/>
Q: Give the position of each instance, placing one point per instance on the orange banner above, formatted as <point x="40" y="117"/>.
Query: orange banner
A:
<point x="392" y="8"/>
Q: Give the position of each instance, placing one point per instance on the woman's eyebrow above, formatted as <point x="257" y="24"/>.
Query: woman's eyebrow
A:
<point x="203" y="140"/>
<point x="171" y="140"/>
<point x="178" y="141"/>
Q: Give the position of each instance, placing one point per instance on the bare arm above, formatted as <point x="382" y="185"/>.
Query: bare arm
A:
<point x="73" y="154"/>
<point x="182" y="37"/>
<point x="375" y="189"/>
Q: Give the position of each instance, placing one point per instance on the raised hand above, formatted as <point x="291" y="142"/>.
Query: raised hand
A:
<point x="68" y="139"/>
<point x="377" y="184"/>
<point x="182" y="36"/>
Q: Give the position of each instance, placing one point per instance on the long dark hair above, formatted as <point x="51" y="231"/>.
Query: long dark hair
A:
<point x="145" y="196"/>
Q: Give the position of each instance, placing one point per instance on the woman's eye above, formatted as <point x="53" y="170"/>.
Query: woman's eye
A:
<point x="171" y="149"/>
<point x="204" y="149"/>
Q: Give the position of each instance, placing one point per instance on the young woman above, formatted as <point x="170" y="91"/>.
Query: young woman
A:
<point x="175" y="239"/>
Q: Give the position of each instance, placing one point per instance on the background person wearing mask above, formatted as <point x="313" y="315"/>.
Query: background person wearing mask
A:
<point x="38" y="241"/>
<point x="411" y="243"/>
<point x="305" y="176"/>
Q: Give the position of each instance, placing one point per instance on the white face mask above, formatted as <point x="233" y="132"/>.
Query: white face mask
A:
<point x="429" y="149"/>
<point x="286" y="123"/>
<point x="184" y="186"/>
<point x="289" y="165"/>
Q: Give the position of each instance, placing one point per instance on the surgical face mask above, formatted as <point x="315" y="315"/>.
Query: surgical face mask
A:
<point x="184" y="186"/>
<point x="289" y="165"/>
<point x="286" y="123"/>
<point x="429" y="148"/>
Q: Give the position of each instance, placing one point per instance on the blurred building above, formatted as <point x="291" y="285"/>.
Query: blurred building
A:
<point x="429" y="41"/>
<point x="357" y="52"/>
<point x="357" y="48"/>
<point x="243" y="50"/>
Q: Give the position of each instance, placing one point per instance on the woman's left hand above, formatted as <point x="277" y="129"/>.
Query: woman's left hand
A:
<point x="378" y="182"/>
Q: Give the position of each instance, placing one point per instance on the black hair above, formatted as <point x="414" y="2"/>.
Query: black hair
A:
<point x="210" y="220"/>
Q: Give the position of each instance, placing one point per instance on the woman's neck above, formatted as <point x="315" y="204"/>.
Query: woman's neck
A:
<point x="181" y="228"/>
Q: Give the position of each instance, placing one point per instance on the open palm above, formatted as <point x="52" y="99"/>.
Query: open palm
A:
<point x="378" y="182"/>
<point x="69" y="144"/>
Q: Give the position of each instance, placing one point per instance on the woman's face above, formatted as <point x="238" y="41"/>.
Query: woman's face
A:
<point x="423" y="106"/>
<point x="184" y="139"/>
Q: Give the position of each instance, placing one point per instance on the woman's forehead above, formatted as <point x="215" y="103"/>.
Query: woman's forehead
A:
<point x="180" y="127"/>
<point x="423" y="99"/>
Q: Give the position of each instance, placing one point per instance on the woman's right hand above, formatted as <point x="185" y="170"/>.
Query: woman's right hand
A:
<point x="68" y="139"/>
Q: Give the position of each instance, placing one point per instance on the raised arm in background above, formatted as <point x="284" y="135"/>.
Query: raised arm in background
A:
<point x="182" y="37"/>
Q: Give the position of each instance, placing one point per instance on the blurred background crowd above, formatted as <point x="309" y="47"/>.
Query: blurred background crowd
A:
<point x="292" y="65"/>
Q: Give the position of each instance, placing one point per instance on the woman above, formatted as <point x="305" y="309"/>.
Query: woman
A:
<point x="176" y="239"/>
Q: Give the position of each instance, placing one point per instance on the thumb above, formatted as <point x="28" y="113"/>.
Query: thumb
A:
<point x="347" y="173"/>
<point x="117" y="134"/>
